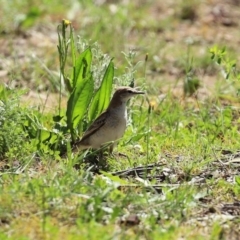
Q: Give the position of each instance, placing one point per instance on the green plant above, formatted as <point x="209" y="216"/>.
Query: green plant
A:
<point x="14" y="140"/>
<point x="226" y="63"/>
<point x="83" y="93"/>
<point x="88" y="82"/>
<point x="85" y="101"/>
<point x="191" y="81"/>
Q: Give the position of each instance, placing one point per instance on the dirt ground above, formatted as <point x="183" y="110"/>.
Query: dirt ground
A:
<point x="29" y="58"/>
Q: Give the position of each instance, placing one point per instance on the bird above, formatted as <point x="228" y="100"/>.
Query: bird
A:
<point x="110" y="125"/>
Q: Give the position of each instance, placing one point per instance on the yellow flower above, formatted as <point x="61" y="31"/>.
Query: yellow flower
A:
<point x="152" y="105"/>
<point x="66" y="22"/>
<point x="146" y="57"/>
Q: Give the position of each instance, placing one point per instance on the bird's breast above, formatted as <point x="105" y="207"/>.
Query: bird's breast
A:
<point x="117" y="124"/>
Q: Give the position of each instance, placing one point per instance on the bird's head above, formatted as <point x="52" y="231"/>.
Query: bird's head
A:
<point x="125" y="93"/>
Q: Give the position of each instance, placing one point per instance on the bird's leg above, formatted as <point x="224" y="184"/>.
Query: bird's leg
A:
<point x="110" y="151"/>
<point x="100" y="154"/>
<point x="112" y="145"/>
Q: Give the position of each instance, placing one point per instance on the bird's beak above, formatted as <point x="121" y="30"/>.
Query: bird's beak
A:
<point x="139" y="92"/>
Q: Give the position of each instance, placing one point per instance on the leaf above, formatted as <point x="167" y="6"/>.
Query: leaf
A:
<point x="102" y="97"/>
<point x="82" y="67"/>
<point x="82" y="89"/>
<point x="223" y="50"/>
<point x="219" y="60"/>
<point x="237" y="180"/>
<point x="79" y="101"/>
<point x="57" y="118"/>
<point x="44" y="135"/>
<point x="46" y="139"/>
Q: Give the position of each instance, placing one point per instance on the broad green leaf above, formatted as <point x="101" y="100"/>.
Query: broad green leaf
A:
<point x="82" y="67"/>
<point x="79" y="101"/>
<point x="82" y="89"/>
<point x="102" y="97"/>
<point x="49" y="136"/>
<point x="44" y="135"/>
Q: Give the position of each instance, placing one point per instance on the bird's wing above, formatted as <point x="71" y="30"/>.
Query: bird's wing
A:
<point x="98" y="123"/>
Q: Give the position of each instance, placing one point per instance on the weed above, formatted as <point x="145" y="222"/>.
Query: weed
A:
<point x="15" y="144"/>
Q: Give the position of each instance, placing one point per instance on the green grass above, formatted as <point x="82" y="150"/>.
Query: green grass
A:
<point x="190" y="194"/>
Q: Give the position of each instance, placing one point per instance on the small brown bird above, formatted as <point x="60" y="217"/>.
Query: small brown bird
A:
<point x="111" y="124"/>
